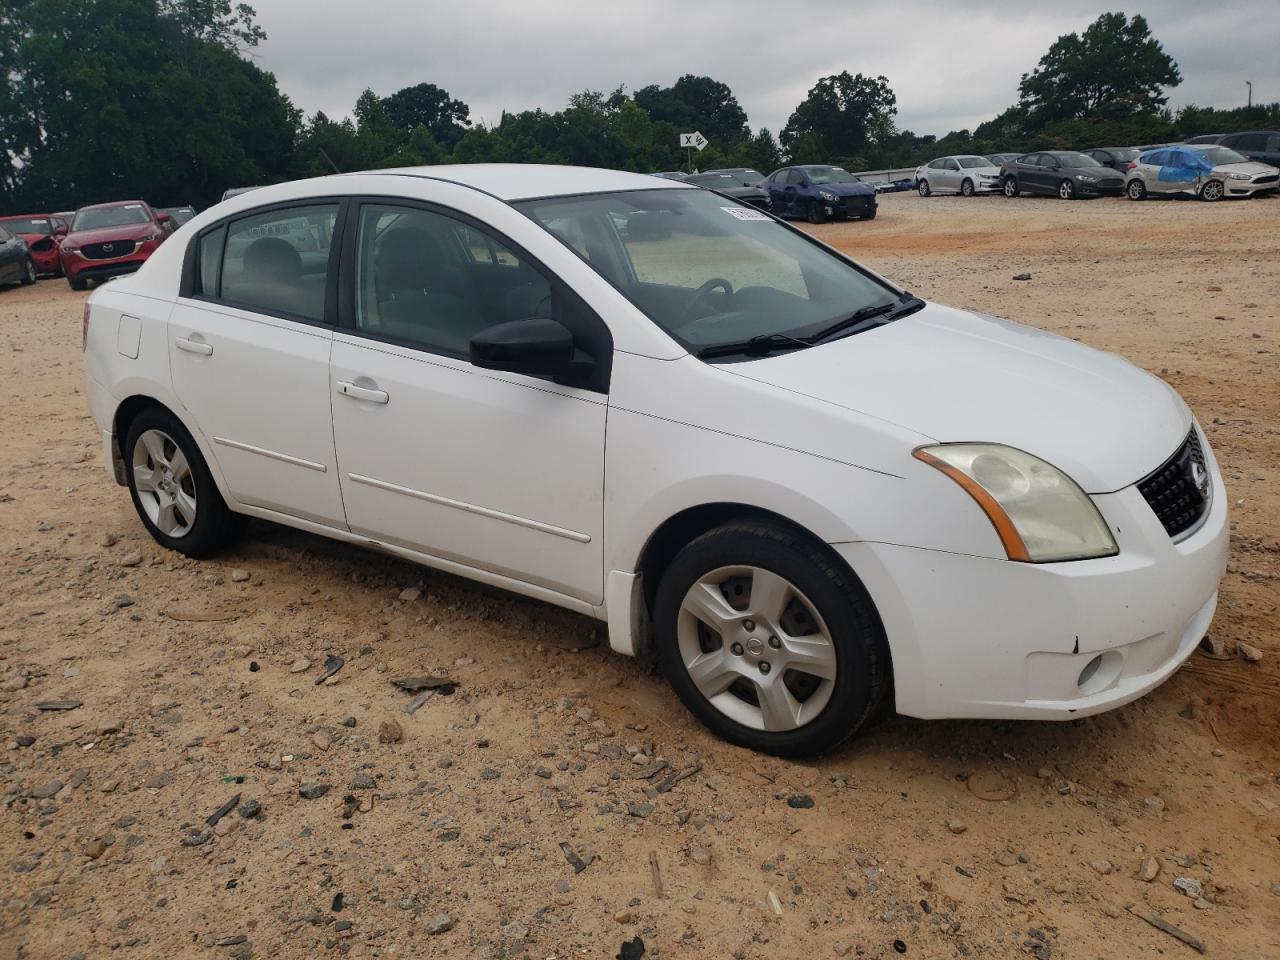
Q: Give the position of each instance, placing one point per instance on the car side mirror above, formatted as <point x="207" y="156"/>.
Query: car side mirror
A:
<point x="538" y="346"/>
<point x="163" y="217"/>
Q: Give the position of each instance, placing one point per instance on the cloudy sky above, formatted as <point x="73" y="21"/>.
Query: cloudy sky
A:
<point x="952" y="63"/>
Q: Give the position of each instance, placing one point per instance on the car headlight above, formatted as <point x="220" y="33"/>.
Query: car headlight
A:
<point x="828" y="196"/>
<point x="69" y="248"/>
<point x="1242" y="176"/>
<point x="1040" y="514"/>
<point x="1086" y="178"/>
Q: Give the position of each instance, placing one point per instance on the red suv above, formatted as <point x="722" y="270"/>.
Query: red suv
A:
<point x="109" y="239"/>
<point x="42" y="232"/>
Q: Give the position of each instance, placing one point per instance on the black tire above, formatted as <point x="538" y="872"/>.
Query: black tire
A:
<point x="816" y="212"/>
<point x="1136" y="190"/>
<point x="29" y="273"/>
<point x="1066" y="190"/>
<point x="966" y="187"/>
<point x="215" y="525"/>
<point x="1213" y="191"/>
<point x="862" y="665"/>
<point x="923" y="188"/>
<point x="77" y="284"/>
<point x="870" y="214"/>
<point x="1011" y="187"/>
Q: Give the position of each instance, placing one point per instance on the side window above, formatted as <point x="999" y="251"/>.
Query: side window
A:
<point x="795" y="176"/>
<point x="1157" y="159"/>
<point x="4" y="235"/>
<point x="278" y="262"/>
<point x="780" y="176"/>
<point x="434" y="282"/>
<point x="209" y="263"/>
<point x="936" y="164"/>
<point x="1250" y="141"/>
<point x="952" y="165"/>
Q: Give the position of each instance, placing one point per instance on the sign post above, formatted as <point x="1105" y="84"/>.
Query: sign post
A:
<point x="691" y="142"/>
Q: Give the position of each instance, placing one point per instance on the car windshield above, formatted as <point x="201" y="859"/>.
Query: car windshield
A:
<point x="714" y="180"/>
<point x="1220" y="155"/>
<point x="95" y="218"/>
<point x="1124" y="153"/>
<point x="40" y="225"/>
<point x="1072" y="159"/>
<point x="830" y="175"/>
<point x="708" y="271"/>
<point x="970" y="162"/>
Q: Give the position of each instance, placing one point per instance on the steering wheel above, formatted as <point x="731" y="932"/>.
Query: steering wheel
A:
<point x="714" y="283"/>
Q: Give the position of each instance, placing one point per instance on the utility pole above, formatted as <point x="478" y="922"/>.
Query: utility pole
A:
<point x="1249" y="84"/>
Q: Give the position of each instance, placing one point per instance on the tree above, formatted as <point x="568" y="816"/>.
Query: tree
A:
<point x="426" y="105"/>
<point x="697" y="103"/>
<point x="843" y="118"/>
<point x="1116" y="69"/>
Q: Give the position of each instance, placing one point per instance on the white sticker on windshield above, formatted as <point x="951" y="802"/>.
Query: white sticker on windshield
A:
<point x="746" y="213"/>
<point x="133" y="206"/>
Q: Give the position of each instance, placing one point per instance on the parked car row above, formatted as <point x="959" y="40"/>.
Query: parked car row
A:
<point x="93" y="243"/>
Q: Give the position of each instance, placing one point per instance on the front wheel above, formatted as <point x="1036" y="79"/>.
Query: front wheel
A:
<point x="769" y="640"/>
<point x="29" y="273"/>
<point x="816" y="212"/>
<point x="1137" y="190"/>
<point x="1067" y="190"/>
<point x="172" y="488"/>
<point x="966" y="188"/>
<point x="77" y="284"/>
<point x="1213" y="190"/>
<point x="870" y="214"/>
<point x="923" y="188"/>
<point x="1010" y="187"/>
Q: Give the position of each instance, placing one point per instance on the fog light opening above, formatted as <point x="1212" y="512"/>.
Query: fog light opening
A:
<point x="1099" y="672"/>
<point x="1089" y="671"/>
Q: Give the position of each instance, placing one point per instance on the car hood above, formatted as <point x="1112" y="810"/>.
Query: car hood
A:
<point x="846" y="189"/>
<point x="131" y="231"/>
<point x="1252" y="168"/>
<point x="957" y="376"/>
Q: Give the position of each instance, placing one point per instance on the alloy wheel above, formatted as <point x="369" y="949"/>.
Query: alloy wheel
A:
<point x="756" y="648"/>
<point x="1136" y="190"/>
<point x="923" y="188"/>
<point x="966" y="188"/>
<point x="1010" y="187"/>
<point x="31" y="272"/>
<point x="1213" y="190"/>
<point x="164" y="482"/>
<point x="1066" y="190"/>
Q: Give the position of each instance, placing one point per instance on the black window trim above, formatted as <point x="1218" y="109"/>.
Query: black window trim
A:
<point x="346" y="286"/>
<point x="191" y="257"/>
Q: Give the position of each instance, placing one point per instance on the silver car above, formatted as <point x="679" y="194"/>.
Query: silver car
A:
<point x="963" y="174"/>
<point x="1203" y="170"/>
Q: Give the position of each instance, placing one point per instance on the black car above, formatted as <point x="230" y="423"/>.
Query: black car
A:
<point x="1060" y="173"/>
<point x="178" y="215"/>
<point x="745" y="175"/>
<point x="16" y="265"/>
<point x="730" y="186"/>
<point x="1119" y="159"/>
<point x="1260" y="145"/>
<point x="820" y="192"/>
<point x="1206" y="138"/>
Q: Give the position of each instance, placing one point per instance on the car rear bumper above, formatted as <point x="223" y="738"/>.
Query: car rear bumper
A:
<point x="975" y="637"/>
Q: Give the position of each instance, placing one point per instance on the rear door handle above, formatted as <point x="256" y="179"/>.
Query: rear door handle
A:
<point x="194" y="346"/>
<point x="357" y="392"/>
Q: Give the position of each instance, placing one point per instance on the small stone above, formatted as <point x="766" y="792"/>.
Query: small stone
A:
<point x="313" y="791"/>
<point x="1190" y="886"/>
<point x="109" y="539"/>
<point x="362" y="781"/>
<point x="107" y="727"/>
<point x="94" y="849"/>
<point x="131" y="559"/>
<point x="196" y="838"/>
<point x="410" y="594"/>
<point x="300" y="665"/>
<point x="250" y="809"/>
<point x="957" y="826"/>
<point x="389" y="732"/>
<point x="123" y="600"/>
<point x="515" y="930"/>
<point x="25" y="740"/>
<point x="322" y="741"/>
<point x="46" y="790"/>
<point x="440" y="923"/>
<point x="1214" y="647"/>
<point x="239" y="576"/>
<point x="1102" y="867"/>
<point x="843" y="948"/>
<point x="622" y="916"/>
<point x="1111" y="910"/>
<point x="488" y="773"/>
<point x="1248" y="651"/>
<point x="1201" y="903"/>
<point x="799" y="801"/>
<point x="1149" y="869"/>
<point x="641" y="810"/>
<point x="224" y="827"/>
<point x="347" y="721"/>
<point x="1022" y="276"/>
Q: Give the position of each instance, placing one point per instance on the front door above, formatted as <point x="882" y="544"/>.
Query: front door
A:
<point x="249" y="356"/>
<point x="497" y="471"/>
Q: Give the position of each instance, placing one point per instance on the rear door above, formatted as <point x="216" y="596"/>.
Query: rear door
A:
<point x="249" y="343"/>
<point x="499" y="472"/>
<point x="950" y="174"/>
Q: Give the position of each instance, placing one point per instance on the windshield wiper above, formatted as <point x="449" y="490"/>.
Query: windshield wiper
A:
<point x="874" y="315"/>
<point x="764" y="343"/>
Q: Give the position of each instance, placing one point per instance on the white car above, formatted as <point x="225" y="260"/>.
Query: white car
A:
<point x="804" y="489"/>
<point x="962" y="174"/>
<point x="1203" y="170"/>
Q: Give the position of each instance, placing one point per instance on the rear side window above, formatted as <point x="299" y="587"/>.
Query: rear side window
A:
<point x="1156" y="159"/>
<point x="209" y="263"/>
<point x="278" y="262"/>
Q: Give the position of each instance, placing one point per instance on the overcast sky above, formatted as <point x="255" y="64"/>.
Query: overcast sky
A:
<point x="952" y="63"/>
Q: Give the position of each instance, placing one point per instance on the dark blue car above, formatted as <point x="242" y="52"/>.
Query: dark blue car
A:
<point x="819" y="193"/>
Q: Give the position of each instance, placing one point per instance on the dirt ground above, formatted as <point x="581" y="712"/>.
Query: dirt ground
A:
<point x="198" y="683"/>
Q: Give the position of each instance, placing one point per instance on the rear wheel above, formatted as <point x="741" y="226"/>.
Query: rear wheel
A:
<point x="816" y="212"/>
<point x="77" y="284"/>
<point x="1011" y="187"/>
<point x="1137" y="190"/>
<point x="29" y="273"/>
<point x="923" y="188"/>
<point x="966" y="188"/>
<point x="870" y="214"/>
<point x="769" y="641"/>
<point x="173" y="489"/>
<point x="1213" y="190"/>
<point x="1067" y="190"/>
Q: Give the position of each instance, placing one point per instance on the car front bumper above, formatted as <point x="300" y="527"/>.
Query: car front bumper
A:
<point x="983" y="638"/>
<point x="848" y="208"/>
<point x="1247" y="188"/>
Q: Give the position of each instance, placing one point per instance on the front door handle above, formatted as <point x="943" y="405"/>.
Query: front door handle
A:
<point x="195" y="346"/>
<point x="357" y="392"/>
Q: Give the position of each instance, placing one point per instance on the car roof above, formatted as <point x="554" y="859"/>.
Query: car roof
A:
<point x="26" y="216"/>
<point x="113" y="203"/>
<point x="525" y="181"/>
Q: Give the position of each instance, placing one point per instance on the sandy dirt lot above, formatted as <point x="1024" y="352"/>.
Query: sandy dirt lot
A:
<point x="197" y="683"/>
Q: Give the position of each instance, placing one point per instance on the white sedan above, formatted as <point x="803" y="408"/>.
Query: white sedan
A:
<point x="962" y="174"/>
<point x="806" y="491"/>
<point x="1203" y="170"/>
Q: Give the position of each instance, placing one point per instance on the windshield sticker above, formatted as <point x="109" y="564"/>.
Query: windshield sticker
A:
<point x="746" y="213"/>
<point x="133" y="206"/>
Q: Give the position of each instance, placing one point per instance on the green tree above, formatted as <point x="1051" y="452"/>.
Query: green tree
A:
<point x="1114" y="69"/>
<point x="697" y="103"/>
<point x="426" y="105"/>
<point x="844" y="118"/>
